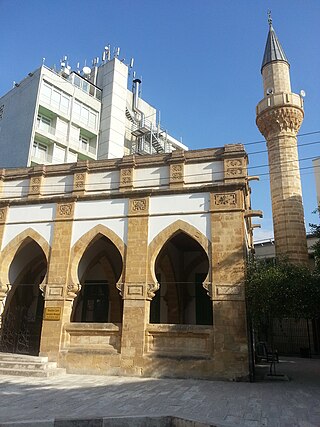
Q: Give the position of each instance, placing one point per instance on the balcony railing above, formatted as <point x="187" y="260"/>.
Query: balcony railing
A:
<point x="50" y="132"/>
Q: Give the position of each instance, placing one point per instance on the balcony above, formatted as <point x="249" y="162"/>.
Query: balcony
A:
<point x="89" y="149"/>
<point x="51" y="133"/>
<point x="289" y="99"/>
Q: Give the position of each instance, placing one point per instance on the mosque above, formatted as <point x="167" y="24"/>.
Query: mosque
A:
<point x="134" y="265"/>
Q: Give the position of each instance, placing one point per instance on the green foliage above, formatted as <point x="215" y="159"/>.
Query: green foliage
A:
<point x="282" y="290"/>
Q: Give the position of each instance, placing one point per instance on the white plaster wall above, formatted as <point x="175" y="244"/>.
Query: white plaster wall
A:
<point x="31" y="213"/>
<point x="191" y="208"/>
<point x="38" y="217"/>
<point x="151" y="177"/>
<point x="180" y="203"/>
<point x="12" y="230"/>
<point x="203" y="172"/>
<point x="110" y="213"/>
<point x="118" y="225"/>
<point x="57" y="184"/>
<point x="200" y="221"/>
<point x="101" y="209"/>
<point x="15" y="189"/>
<point x="97" y="182"/>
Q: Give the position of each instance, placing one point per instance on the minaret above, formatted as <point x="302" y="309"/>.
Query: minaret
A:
<point x="279" y="117"/>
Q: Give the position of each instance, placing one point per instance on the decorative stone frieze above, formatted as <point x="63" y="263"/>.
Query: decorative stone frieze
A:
<point x="277" y="120"/>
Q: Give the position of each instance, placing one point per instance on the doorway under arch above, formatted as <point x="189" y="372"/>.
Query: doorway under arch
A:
<point x="99" y="270"/>
<point x="181" y="267"/>
<point x="23" y="312"/>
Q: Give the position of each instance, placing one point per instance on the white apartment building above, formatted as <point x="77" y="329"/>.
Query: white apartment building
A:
<point x="66" y="116"/>
<point x="316" y="167"/>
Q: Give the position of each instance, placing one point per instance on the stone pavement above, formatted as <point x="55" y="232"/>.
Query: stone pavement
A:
<point x="273" y="404"/>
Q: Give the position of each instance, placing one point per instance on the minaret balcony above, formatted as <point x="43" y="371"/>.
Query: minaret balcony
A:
<point x="280" y="99"/>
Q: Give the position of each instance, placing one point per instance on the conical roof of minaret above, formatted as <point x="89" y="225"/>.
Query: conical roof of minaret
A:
<point x="273" y="51"/>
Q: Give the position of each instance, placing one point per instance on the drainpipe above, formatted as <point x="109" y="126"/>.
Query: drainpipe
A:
<point x="136" y="86"/>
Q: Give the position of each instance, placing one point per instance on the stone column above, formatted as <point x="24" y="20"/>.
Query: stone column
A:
<point x="4" y="288"/>
<point x="36" y="181"/>
<point x="176" y="169"/>
<point x="280" y="125"/>
<point x="136" y="306"/>
<point x="228" y="265"/>
<point x="57" y="309"/>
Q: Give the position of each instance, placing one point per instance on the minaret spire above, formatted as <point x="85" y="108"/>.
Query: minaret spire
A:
<point x="279" y="117"/>
<point x="273" y="50"/>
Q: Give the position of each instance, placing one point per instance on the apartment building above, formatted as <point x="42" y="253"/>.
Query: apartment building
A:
<point x="64" y="116"/>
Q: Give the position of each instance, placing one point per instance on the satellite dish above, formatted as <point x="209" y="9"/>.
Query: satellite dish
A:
<point x="269" y="91"/>
<point x="86" y="70"/>
<point x="302" y="93"/>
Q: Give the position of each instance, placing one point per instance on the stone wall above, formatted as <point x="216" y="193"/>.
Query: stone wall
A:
<point x="133" y="223"/>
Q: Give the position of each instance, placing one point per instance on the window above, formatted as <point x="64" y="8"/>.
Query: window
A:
<point x="40" y="151"/>
<point x="43" y="123"/>
<point x="55" y="97"/>
<point x="84" y="143"/>
<point x="85" y="114"/>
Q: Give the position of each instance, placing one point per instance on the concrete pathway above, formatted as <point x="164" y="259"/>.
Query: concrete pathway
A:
<point x="273" y="404"/>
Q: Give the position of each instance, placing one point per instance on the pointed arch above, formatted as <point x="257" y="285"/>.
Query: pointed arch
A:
<point x="79" y="248"/>
<point x="167" y="233"/>
<point x="10" y="250"/>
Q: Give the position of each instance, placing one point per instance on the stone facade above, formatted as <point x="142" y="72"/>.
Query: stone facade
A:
<point x="130" y="266"/>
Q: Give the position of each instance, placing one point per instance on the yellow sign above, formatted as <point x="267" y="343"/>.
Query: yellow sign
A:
<point x="52" y="313"/>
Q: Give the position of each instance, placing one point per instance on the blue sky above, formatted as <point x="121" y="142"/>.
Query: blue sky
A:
<point x="199" y="60"/>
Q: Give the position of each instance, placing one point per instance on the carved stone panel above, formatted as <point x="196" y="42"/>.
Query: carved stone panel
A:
<point x="65" y="210"/>
<point x="126" y="178"/>
<point x="234" y="168"/>
<point x="54" y="292"/>
<point x="134" y="290"/>
<point x="3" y="214"/>
<point x="35" y="185"/>
<point x="139" y="206"/>
<point x="79" y="181"/>
<point x="176" y="174"/>
<point x="224" y="201"/>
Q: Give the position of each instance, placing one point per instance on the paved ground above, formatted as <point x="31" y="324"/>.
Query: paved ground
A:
<point x="273" y="404"/>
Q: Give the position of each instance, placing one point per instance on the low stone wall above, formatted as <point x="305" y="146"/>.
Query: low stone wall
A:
<point x="93" y="336"/>
<point x="91" y="348"/>
<point x="179" y="340"/>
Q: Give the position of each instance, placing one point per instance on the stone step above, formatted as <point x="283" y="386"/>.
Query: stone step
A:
<point x="42" y="373"/>
<point x="25" y="364"/>
<point x="23" y="357"/>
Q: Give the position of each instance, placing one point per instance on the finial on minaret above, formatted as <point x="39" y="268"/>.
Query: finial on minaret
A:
<point x="269" y="18"/>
